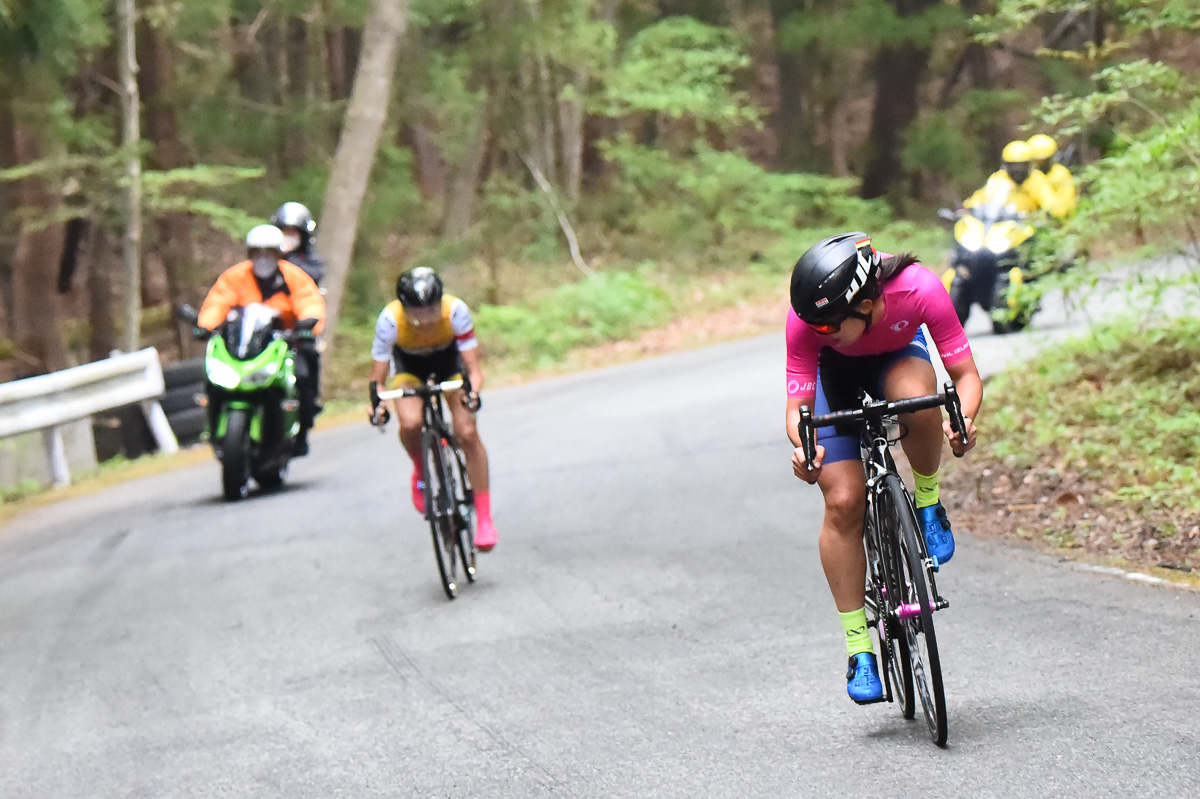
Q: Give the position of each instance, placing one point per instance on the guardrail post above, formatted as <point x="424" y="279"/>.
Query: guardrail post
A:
<point x="160" y="427"/>
<point x="56" y="456"/>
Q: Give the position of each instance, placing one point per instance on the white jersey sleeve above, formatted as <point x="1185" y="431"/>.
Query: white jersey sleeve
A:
<point x="462" y="325"/>
<point x="385" y="336"/>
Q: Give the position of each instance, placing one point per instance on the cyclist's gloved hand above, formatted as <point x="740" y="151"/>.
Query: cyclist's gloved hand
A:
<point x="304" y="330"/>
<point x="201" y="333"/>
<point x="472" y="401"/>
<point x="378" y="415"/>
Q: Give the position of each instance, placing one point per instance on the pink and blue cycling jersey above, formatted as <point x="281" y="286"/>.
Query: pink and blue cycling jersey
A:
<point x="911" y="297"/>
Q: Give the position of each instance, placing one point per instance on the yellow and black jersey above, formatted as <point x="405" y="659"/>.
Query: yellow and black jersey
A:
<point x="395" y="334"/>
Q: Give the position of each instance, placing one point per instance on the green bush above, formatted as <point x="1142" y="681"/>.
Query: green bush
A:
<point x="603" y="307"/>
<point x="1120" y="407"/>
<point x="713" y="195"/>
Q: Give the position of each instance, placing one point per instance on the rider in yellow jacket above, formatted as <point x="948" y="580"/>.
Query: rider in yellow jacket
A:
<point x="1060" y="199"/>
<point x="1013" y="179"/>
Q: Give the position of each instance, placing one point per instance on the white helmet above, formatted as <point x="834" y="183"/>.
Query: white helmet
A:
<point x="265" y="237"/>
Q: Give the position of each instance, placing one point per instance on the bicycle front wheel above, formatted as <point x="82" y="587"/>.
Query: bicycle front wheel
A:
<point x="915" y="612"/>
<point x="464" y="507"/>
<point x="884" y="592"/>
<point x="439" y="511"/>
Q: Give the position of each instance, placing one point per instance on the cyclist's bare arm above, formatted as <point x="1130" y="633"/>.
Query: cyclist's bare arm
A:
<point x="470" y="359"/>
<point x="379" y="371"/>
<point x="793" y="416"/>
<point x="970" y="392"/>
<point x="800" y="466"/>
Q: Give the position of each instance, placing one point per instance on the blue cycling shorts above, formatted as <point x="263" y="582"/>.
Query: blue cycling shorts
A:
<point x="840" y="381"/>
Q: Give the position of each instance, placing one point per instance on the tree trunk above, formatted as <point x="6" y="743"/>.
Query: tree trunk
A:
<point x="570" y="116"/>
<point x="36" y="313"/>
<point x="464" y="186"/>
<point x="432" y="170"/>
<point x="296" y="134"/>
<point x="131" y="137"/>
<point x="172" y="232"/>
<point x="899" y="69"/>
<point x="335" y="61"/>
<point x="358" y="144"/>
<point x="103" y="272"/>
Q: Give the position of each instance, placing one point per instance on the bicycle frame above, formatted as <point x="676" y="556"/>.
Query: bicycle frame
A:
<point x="450" y="508"/>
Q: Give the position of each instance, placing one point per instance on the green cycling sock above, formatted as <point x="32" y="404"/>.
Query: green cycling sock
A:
<point x="857" y="638"/>
<point x="928" y="492"/>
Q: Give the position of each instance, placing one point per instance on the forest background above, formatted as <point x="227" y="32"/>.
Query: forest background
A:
<point x="579" y="170"/>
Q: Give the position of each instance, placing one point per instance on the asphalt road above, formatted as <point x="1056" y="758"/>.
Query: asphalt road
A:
<point x="654" y="622"/>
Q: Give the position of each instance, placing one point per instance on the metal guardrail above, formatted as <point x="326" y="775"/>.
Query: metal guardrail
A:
<point x="49" y="401"/>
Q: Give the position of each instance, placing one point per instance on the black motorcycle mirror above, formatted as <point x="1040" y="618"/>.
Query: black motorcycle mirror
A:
<point x="186" y="313"/>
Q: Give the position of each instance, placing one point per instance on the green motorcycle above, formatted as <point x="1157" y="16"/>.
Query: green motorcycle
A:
<point x="253" y="404"/>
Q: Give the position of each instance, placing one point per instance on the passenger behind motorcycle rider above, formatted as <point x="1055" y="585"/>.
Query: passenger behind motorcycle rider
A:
<point x="299" y="247"/>
<point x="1061" y="196"/>
<point x="264" y="277"/>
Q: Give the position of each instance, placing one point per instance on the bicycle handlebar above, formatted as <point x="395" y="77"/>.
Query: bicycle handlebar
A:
<point x="878" y="410"/>
<point x="419" y="391"/>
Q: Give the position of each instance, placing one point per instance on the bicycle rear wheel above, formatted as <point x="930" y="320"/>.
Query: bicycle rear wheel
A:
<point x="439" y="511"/>
<point x="916" y="612"/>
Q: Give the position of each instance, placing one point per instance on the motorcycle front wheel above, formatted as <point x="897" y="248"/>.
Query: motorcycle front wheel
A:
<point x="235" y="455"/>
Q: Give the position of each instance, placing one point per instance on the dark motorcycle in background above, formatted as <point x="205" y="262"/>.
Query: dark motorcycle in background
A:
<point x="989" y="265"/>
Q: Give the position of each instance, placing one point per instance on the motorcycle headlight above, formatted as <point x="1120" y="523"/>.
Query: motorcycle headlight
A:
<point x="972" y="239"/>
<point x="999" y="244"/>
<point x="222" y="374"/>
<point x="260" y="377"/>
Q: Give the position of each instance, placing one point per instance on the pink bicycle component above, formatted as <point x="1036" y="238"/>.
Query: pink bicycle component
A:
<point x="909" y="611"/>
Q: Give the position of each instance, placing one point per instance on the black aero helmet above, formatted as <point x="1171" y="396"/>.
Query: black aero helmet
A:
<point x="419" y="288"/>
<point x="294" y="215"/>
<point x="829" y="278"/>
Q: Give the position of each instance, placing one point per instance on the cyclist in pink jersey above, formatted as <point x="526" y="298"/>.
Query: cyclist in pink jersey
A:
<point x="855" y="325"/>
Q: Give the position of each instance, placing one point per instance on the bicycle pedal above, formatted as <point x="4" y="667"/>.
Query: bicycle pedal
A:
<point x="869" y="701"/>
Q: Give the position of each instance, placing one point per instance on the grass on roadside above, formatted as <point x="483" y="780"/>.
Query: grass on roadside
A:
<point x="1096" y="445"/>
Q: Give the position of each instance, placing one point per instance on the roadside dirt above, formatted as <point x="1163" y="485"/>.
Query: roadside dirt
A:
<point x="1068" y="515"/>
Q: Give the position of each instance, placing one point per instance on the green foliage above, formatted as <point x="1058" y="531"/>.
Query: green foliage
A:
<point x="842" y="27"/>
<point x="1120" y="407"/>
<point x="1144" y="111"/>
<point x="603" y="307"/>
<point x="704" y="63"/>
<point x="716" y="194"/>
<point x="1135" y="16"/>
<point x="47" y="36"/>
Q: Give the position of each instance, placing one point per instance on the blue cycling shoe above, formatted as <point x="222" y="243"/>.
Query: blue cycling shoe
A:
<point x="939" y="540"/>
<point x="862" y="679"/>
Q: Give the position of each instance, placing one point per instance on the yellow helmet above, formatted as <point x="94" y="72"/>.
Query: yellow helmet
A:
<point x="1015" y="152"/>
<point x="1041" y="146"/>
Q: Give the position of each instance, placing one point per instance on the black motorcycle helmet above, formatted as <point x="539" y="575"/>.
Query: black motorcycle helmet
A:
<point x="833" y="276"/>
<point x="297" y="216"/>
<point x="419" y="288"/>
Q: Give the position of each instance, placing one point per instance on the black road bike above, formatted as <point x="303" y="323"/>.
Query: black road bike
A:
<point x="449" y="499"/>
<point x="902" y="593"/>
